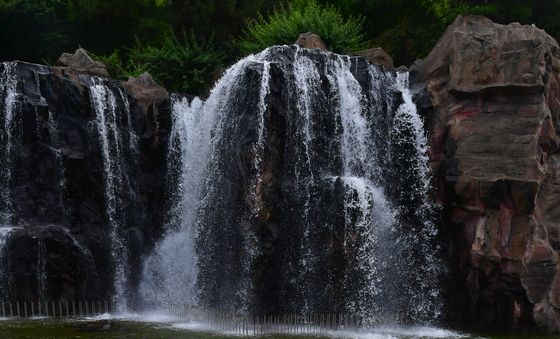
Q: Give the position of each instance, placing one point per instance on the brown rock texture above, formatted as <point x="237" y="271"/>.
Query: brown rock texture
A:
<point x="494" y="149"/>
<point x="310" y="40"/>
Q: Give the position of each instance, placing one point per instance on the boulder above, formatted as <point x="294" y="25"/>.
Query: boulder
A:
<point x="145" y="90"/>
<point x="310" y="40"/>
<point x="494" y="150"/>
<point x="81" y="62"/>
<point x="377" y="55"/>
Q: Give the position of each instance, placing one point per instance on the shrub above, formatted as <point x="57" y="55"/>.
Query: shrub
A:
<point x="185" y="64"/>
<point x="112" y="62"/>
<point x="285" y="24"/>
<point x="180" y="64"/>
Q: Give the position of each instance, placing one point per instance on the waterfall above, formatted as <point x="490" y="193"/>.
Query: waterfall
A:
<point x="41" y="269"/>
<point x="301" y="183"/>
<point x="119" y="188"/>
<point x="170" y="272"/>
<point x="69" y="182"/>
<point x="4" y="276"/>
<point x="8" y="93"/>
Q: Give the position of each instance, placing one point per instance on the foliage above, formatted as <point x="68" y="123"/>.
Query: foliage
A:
<point x="184" y="64"/>
<point x="112" y="62"/>
<point x="285" y="24"/>
<point x="181" y="64"/>
<point x="221" y="19"/>
<point x="131" y="35"/>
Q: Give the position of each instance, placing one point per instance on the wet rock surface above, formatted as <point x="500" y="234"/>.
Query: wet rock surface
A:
<point x="494" y="148"/>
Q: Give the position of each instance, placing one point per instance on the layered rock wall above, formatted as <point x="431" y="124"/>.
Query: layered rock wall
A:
<point x="494" y="135"/>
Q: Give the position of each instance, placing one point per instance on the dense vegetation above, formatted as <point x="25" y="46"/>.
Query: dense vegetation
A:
<point x="133" y="36"/>
<point x="288" y="21"/>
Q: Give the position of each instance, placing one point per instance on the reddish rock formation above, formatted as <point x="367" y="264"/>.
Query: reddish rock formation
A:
<point x="496" y="105"/>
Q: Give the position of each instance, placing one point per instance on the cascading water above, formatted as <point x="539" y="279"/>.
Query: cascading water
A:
<point x="119" y="188"/>
<point x="41" y="269"/>
<point x="71" y="185"/>
<point x="8" y="93"/>
<point x="170" y="273"/>
<point x="300" y="184"/>
<point x="4" y="278"/>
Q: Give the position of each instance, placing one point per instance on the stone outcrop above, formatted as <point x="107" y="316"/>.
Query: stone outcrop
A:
<point x="377" y="55"/>
<point x="495" y="150"/>
<point x="81" y="62"/>
<point x="310" y="40"/>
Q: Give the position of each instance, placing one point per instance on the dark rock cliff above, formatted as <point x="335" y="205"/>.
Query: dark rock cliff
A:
<point x="57" y="206"/>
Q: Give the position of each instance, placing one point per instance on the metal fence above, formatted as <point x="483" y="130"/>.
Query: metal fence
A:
<point x="59" y="309"/>
<point x="231" y="322"/>
<point x="213" y="319"/>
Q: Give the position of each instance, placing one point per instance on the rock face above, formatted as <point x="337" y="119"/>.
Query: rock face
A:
<point x="53" y="160"/>
<point x="493" y="131"/>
